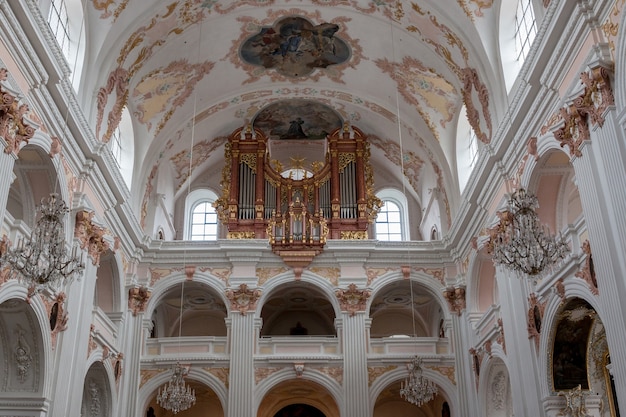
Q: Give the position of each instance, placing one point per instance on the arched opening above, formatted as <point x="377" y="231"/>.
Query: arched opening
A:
<point x="22" y="341"/>
<point x="97" y="399"/>
<point x="390" y="404"/>
<point x="207" y="404"/>
<point x="298" y="395"/>
<point x="498" y="401"/>
<point x="298" y="310"/>
<point x="397" y="313"/>
<point x="203" y="312"/>
<point x="107" y="284"/>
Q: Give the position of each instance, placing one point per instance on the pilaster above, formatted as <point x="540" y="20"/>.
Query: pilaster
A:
<point x="522" y="361"/>
<point x="241" y="391"/>
<point x="355" y="376"/>
<point x="72" y="351"/>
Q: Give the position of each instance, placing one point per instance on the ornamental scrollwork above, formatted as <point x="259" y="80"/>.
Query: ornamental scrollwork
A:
<point x="243" y="299"/>
<point x="352" y="299"/>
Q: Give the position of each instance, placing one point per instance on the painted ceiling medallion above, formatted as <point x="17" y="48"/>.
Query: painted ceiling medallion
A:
<point x="297" y="119"/>
<point x="295" y="47"/>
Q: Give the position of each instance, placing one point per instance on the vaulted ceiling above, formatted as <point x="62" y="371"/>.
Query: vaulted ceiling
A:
<point x="192" y="71"/>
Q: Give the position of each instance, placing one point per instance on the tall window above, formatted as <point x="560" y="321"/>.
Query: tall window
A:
<point x="116" y="146"/>
<point x="525" y="28"/>
<point x="201" y="221"/>
<point x="472" y="147"/>
<point x="204" y="222"/>
<point x="388" y="223"/>
<point x="60" y="24"/>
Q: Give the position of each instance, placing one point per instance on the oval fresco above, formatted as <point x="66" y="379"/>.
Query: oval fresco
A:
<point x="297" y="119"/>
<point x="295" y="47"/>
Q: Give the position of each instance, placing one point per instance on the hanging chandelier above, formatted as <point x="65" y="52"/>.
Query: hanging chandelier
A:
<point x="42" y="260"/>
<point x="175" y="395"/>
<point x="520" y="243"/>
<point x="417" y="389"/>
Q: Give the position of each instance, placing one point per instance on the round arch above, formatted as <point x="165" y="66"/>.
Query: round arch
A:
<point x="320" y="283"/>
<point x="446" y="388"/>
<point x="309" y="379"/>
<point x="195" y="376"/>
<point x="494" y="388"/>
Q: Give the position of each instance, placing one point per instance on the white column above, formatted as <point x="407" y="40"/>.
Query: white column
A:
<point x="523" y="374"/>
<point x="601" y="181"/>
<point x="241" y="385"/>
<point x="72" y="347"/>
<point x="461" y="343"/>
<point x="7" y="161"/>
<point x="132" y="345"/>
<point x="355" y="378"/>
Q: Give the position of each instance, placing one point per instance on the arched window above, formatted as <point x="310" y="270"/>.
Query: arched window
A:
<point x="518" y="28"/>
<point x="525" y="28"/>
<point x="121" y="145"/>
<point x="65" y="19"/>
<point x="467" y="149"/>
<point x="59" y="23"/>
<point x="392" y="222"/>
<point x="201" y="217"/>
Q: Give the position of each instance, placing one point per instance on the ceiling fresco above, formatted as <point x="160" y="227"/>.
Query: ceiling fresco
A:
<point x="297" y="119"/>
<point x="395" y="69"/>
<point x="295" y="47"/>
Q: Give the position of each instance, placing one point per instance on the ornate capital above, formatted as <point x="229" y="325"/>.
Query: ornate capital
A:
<point x="90" y="235"/>
<point x="598" y="95"/>
<point x="455" y="298"/>
<point x="574" y="131"/>
<point x="138" y="299"/>
<point x="587" y="271"/>
<point x="352" y="300"/>
<point x="13" y="128"/>
<point x="243" y="299"/>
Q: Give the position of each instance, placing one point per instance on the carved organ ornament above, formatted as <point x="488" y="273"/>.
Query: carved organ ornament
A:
<point x="297" y="215"/>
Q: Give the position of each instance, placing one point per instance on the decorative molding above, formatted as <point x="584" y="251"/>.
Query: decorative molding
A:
<point x="334" y="372"/>
<point x="57" y="315"/>
<point x="23" y="358"/>
<point x="587" y="272"/>
<point x="373" y="372"/>
<point x="299" y="368"/>
<point x="265" y="274"/>
<point x="373" y="273"/>
<point x="146" y="375"/>
<point x="501" y="340"/>
<point x="138" y="299"/>
<point x="261" y="373"/>
<point x="574" y="403"/>
<point x="535" y="318"/>
<point x="221" y="373"/>
<point x="13" y="128"/>
<point x="353" y="300"/>
<point x="447" y="371"/>
<point x="455" y="296"/>
<point x="587" y="108"/>
<point x="330" y="273"/>
<point x="91" y="236"/>
<point x="243" y="299"/>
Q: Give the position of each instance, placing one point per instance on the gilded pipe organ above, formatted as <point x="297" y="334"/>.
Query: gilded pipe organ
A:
<point x="297" y="204"/>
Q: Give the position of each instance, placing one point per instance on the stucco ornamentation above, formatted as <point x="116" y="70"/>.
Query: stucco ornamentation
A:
<point x="455" y="298"/>
<point x="374" y="372"/>
<point x="91" y="236"/>
<point x="587" y="271"/>
<point x="13" y="127"/>
<point x="22" y="355"/>
<point x="243" y="299"/>
<point x="138" y="299"/>
<point x="352" y="300"/>
<point x="535" y="318"/>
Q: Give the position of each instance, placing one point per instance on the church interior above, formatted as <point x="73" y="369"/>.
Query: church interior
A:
<point x="312" y="208"/>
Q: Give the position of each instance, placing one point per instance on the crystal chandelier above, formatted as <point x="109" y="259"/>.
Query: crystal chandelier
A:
<point x="520" y="243"/>
<point x="42" y="260"/>
<point x="416" y="389"/>
<point x="175" y="395"/>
